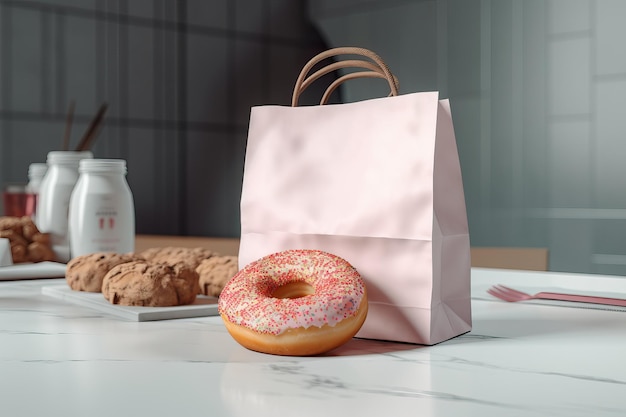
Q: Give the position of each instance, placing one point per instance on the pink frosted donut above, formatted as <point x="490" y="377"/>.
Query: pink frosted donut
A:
<point x="296" y="302"/>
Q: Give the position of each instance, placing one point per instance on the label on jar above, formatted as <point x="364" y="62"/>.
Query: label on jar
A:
<point x="103" y="225"/>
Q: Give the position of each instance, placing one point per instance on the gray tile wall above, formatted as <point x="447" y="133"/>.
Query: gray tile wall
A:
<point x="179" y="77"/>
<point x="538" y="92"/>
<point x="538" y="96"/>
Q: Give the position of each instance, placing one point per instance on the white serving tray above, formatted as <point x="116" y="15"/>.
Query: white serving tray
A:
<point x="32" y="271"/>
<point x="6" y="259"/>
<point x="203" y="306"/>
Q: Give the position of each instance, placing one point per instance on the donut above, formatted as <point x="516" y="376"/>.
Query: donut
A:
<point x="297" y="303"/>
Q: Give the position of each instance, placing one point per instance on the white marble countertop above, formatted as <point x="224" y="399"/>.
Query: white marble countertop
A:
<point x="60" y="359"/>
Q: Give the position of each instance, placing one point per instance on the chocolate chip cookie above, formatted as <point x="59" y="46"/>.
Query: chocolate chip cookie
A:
<point x="86" y="272"/>
<point x="215" y="272"/>
<point x="172" y="255"/>
<point x="28" y="244"/>
<point x="142" y="283"/>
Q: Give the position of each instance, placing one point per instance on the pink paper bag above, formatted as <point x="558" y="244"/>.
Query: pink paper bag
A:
<point x="377" y="182"/>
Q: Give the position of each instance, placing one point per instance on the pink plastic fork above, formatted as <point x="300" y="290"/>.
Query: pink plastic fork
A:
<point x="511" y="295"/>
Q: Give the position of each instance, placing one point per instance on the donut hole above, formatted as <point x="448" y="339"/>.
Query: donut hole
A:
<point x="294" y="289"/>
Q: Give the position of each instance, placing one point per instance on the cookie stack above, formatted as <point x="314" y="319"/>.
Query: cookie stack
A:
<point x="155" y="277"/>
<point x="28" y="244"/>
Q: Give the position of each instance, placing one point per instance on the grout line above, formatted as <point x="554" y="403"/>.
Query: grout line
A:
<point x="547" y="103"/>
<point x="5" y="56"/>
<point x="123" y="80"/>
<point x="442" y="46"/>
<point x="158" y="60"/>
<point x="169" y="142"/>
<point x="593" y="119"/>
<point x="360" y="7"/>
<point x="517" y="106"/>
<point x="127" y="122"/>
<point x="181" y="115"/>
<point x="572" y="35"/>
<point x="160" y="176"/>
<point x="100" y="56"/>
<point x="569" y="213"/>
<point x="608" y="259"/>
<point x="59" y="50"/>
<point x="6" y="99"/>
<point x="485" y="142"/>
<point x="46" y="64"/>
<point x="231" y="51"/>
<point x="266" y="53"/>
<point x="3" y="85"/>
<point x="166" y="99"/>
<point x="110" y="88"/>
<point x="125" y="19"/>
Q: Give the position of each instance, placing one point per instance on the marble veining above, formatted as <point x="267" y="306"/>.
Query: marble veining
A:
<point x="485" y="365"/>
<point x="318" y="384"/>
<point x="524" y="360"/>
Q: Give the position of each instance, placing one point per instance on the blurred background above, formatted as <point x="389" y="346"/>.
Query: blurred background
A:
<point x="537" y="89"/>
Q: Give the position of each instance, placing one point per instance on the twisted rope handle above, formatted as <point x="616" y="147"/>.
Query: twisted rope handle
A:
<point x="375" y="69"/>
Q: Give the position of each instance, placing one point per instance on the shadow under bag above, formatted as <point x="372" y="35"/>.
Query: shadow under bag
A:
<point x="376" y="182"/>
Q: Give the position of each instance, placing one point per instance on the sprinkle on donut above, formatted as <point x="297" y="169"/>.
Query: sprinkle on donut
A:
<point x="333" y="292"/>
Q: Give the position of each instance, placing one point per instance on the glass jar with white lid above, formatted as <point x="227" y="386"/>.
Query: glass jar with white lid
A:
<point x="54" y="198"/>
<point x="102" y="211"/>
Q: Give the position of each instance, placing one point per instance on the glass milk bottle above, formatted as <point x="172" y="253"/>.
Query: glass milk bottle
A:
<point x="102" y="211"/>
<point x="54" y="198"/>
<point x="36" y="172"/>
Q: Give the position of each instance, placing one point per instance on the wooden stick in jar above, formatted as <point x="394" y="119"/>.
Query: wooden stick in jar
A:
<point x="68" y="126"/>
<point x="92" y="130"/>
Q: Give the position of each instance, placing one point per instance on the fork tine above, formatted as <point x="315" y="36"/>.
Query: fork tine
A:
<point x="496" y="289"/>
<point x="512" y="291"/>
<point x="496" y="292"/>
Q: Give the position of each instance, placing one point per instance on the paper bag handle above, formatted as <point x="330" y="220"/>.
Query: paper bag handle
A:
<point x="376" y="69"/>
